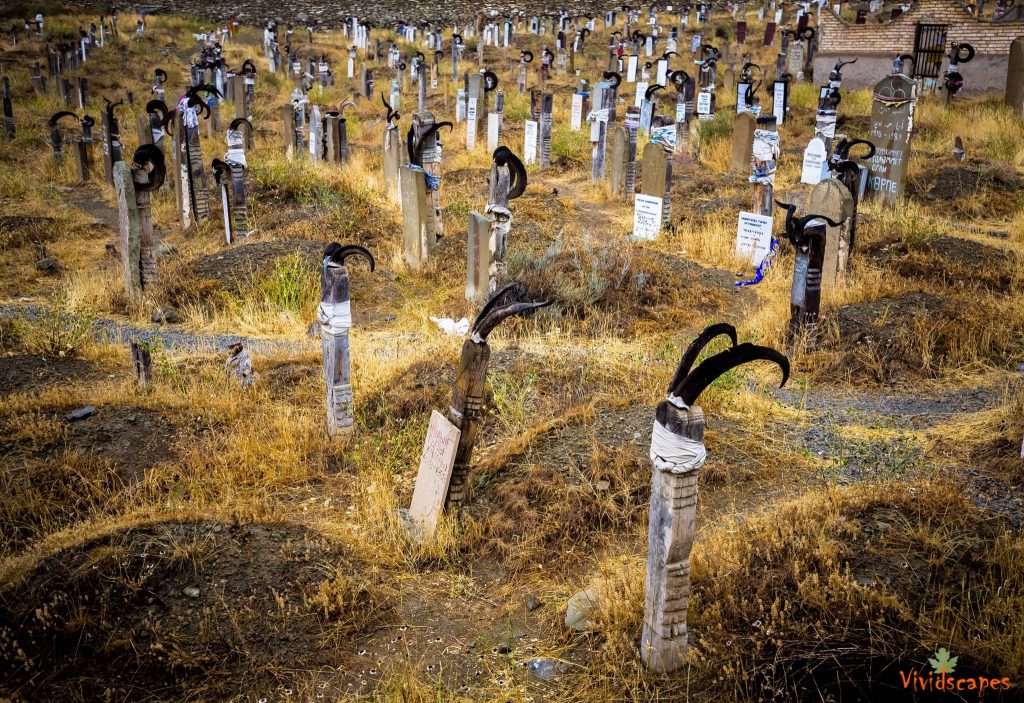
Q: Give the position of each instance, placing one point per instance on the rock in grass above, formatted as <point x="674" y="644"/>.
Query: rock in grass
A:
<point x="81" y="413"/>
<point x="579" y="613"/>
<point x="166" y="315"/>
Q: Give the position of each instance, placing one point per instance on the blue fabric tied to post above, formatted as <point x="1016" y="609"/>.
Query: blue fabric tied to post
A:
<point x="433" y="182"/>
<point x="763" y="267"/>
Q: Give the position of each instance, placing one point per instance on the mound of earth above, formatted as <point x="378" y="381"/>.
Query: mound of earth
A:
<point x="795" y="573"/>
<point x="953" y="261"/>
<point x="886" y="322"/>
<point x="28" y="372"/>
<point x="983" y="189"/>
<point x="237" y="266"/>
<point x="173" y="611"/>
<point x="130" y="439"/>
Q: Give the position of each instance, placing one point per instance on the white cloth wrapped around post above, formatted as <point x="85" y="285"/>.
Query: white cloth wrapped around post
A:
<point x="335" y="318"/>
<point x="236" y="148"/>
<point x="675" y="454"/>
<point x="765" y="154"/>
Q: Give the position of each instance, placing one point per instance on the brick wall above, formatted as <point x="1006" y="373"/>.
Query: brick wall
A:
<point x="838" y="37"/>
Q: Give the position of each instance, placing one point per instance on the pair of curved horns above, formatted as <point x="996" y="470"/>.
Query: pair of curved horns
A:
<point x="503" y="156"/>
<point x="58" y="116"/>
<point x="148" y="154"/>
<point x="649" y="93"/>
<point x="795" y="225"/>
<point x="392" y="115"/>
<point x="958" y="56"/>
<point x="526" y="56"/>
<point x="844" y="146"/>
<point x="613" y="76"/>
<point x="490" y="81"/>
<point x="238" y="122"/>
<point x="506" y="302"/>
<point x="161" y="74"/>
<point x="687" y="384"/>
<point x="415" y="146"/>
<point x="337" y="254"/>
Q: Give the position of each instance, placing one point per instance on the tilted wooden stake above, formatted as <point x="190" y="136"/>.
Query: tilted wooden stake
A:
<point x="677" y="454"/>
<point x="335" y="317"/>
<point x="468" y="394"/>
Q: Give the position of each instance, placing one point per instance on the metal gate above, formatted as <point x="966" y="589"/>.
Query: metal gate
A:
<point x="929" y="50"/>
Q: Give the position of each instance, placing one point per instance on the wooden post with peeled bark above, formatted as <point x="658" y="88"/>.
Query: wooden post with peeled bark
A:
<point x="468" y="393"/>
<point x="677" y="454"/>
<point x="508" y="182"/>
<point x="134" y="185"/>
<point x="335" y="317"/>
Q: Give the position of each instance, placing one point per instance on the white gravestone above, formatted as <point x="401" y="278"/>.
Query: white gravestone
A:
<point x="435" y="472"/>
<point x="753" y="237"/>
<point x="814" y="161"/>
<point x="646" y="216"/>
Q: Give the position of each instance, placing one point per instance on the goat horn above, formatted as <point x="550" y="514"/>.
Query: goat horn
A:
<point x="715" y="366"/>
<point x="696" y="347"/>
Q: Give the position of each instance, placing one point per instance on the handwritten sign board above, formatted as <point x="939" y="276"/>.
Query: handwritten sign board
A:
<point x="530" y="142"/>
<point x="470" y="124"/>
<point x="814" y="161"/>
<point x="703" y="104"/>
<point x="753" y="237"/>
<point x="780" y="89"/>
<point x="576" y="115"/>
<point x="435" y="472"/>
<point x="646" y="216"/>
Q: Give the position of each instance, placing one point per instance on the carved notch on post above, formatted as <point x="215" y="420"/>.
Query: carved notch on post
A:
<point x="677" y="453"/>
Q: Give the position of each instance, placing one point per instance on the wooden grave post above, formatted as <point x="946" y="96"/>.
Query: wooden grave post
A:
<point x="335" y="317"/>
<point x="9" y="125"/>
<point x="832" y="199"/>
<point x="428" y="154"/>
<point x="110" y="134"/>
<point x="393" y="147"/>
<point x="545" y="130"/>
<point x="134" y="185"/>
<point x="677" y="454"/>
<point x="464" y="412"/>
<point x="742" y="141"/>
<point x="807" y="234"/>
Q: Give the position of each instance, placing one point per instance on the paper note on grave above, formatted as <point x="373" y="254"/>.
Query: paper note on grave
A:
<point x="646" y="216"/>
<point x="814" y="161"/>
<point x="434" y="473"/>
<point x="704" y="103"/>
<point x="576" y="116"/>
<point x="753" y="237"/>
<point x="530" y="142"/>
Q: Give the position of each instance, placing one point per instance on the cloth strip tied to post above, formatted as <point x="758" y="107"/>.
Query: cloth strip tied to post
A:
<point x="675" y="454"/>
<point x="335" y="318"/>
<point x="762" y="268"/>
<point x="433" y="182"/>
<point x="189" y="115"/>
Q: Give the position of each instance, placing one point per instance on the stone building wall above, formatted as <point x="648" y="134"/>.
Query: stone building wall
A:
<point x="875" y="44"/>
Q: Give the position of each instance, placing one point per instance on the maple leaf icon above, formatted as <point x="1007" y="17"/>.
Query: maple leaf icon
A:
<point x="943" y="663"/>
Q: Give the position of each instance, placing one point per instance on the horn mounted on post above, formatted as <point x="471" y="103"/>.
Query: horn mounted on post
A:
<point x="688" y="383"/>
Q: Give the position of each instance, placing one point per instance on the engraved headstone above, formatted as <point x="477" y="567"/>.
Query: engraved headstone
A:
<point x="892" y="123"/>
<point x="434" y="474"/>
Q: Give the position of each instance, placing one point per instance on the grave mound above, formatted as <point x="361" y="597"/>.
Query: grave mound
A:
<point x="179" y="610"/>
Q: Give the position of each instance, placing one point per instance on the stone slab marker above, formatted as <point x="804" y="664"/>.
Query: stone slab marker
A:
<point x="8" y="108"/>
<point x="892" y="122"/>
<point x="655" y="176"/>
<point x="434" y="474"/>
<point x="1015" y="77"/>
<point x="478" y="257"/>
<point x="414" y="218"/>
<point x="618" y="162"/>
<point x="742" y="141"/>
<point x="832" y="199"/>
<point x="393" y="162"/>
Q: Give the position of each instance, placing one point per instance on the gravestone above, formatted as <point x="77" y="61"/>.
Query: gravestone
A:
<point x="393" y="157"/>
<point x="618" y="161"/>
<point x="742" y="142"/>
<point x="434" y="474"/>
<point x="651" y="201"/>
<point x="892" y="122"/>
<point x="832" y="199"/>
<point x="415" y="218"/>
<point x="478" y="257"/>
<point x="815" y="156"/>
<point x="1015" y="77"/>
